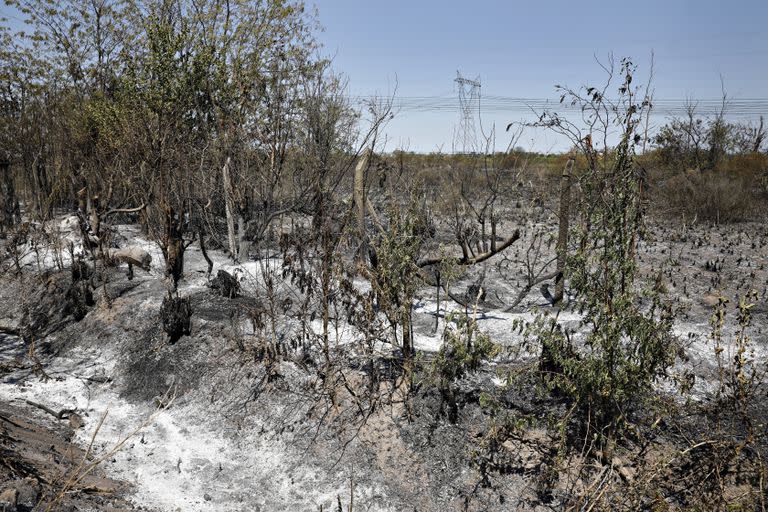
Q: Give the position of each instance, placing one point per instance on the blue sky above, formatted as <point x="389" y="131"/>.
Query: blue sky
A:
<point x="522" y="49"/>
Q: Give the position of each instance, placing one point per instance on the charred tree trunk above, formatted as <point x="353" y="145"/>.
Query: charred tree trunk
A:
<point x="10" y="203"/>
<point x="174" y="262"/>
<point x="407" y="326"/>
<point x="82" y="220"/>
<point x="175" y="314"/>
<point x="229" y="208"/>
<point x="242" y="243"/>
<point x="562" y="235"/>
<point x="95" y="216"/>
<point x="173" y="245"/>
<point x="483" y="236"/>
<point x="201" y="234"/>
<point x="494" y="223"/>
<point x="43" y="191"/>
<point x="325" y="277"/>
<point x="359" y="197"/>
<point x="437" y="309"/>
<point x="82" y="201"/>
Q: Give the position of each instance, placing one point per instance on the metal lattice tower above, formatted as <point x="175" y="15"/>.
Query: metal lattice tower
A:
<point x="469" y="99"/>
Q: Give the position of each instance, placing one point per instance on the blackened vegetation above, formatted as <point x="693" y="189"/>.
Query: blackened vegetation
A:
<point x="78" y="300"/>
<point x="175" y="315"/>
<point x="476" y="293"/>
<point x="226" y="284"/>
<point x="57" y="299"/>
<point x="11" y="213"/>
<point x="80" y="271"/>
<point x="342" y="324"/>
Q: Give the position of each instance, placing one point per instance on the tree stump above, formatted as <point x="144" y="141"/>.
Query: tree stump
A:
<point x="174" y="263"/>
<point x="175" y="314"/>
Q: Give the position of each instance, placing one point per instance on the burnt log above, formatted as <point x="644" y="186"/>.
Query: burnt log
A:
<point x="132" y="256"/>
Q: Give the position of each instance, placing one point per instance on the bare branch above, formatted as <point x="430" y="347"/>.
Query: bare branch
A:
<point x="124" y="210"/>
<point x="464" y="260"/>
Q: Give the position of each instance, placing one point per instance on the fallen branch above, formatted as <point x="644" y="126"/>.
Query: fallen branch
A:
<point x="124" y="210"/>
<point x="465" y="260"/>
<point x="527" y="288"/>
<point x="443" y="286"/>
<point x="62" y="414"/>
<point x="98" y="379"/>
<point x="84" y="469"/>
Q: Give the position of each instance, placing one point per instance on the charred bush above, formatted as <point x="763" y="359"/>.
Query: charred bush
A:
<point x="475" y="293"/>
<point x="80" y="271"/>
<point x="175" y="314"/>
<point x="54" y="301"/>
<point x="226" y="284"/>
<point x="78" y="300"/>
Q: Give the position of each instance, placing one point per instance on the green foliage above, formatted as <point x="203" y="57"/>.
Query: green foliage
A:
<point x="397" y="250"/>
<point x="740" y="373"/>
<point x="395" y="275"/>
<point x="625" y="341"/>
<point x="680" y="143"/>
<point x="706" y="143"/>
<point x="465" y="348"/>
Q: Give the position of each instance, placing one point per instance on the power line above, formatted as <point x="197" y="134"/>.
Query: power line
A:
<point x="743" y="107"/>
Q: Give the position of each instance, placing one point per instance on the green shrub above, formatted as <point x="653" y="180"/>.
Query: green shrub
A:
<point x="625" y="338"/>
<point x="465" y="348"/>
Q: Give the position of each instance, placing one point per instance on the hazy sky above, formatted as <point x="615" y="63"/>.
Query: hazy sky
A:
<point x="521" y="49"/>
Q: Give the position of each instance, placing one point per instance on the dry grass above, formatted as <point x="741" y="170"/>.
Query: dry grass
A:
<point x="718" y="197"/>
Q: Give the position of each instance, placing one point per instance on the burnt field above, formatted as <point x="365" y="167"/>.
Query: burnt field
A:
<point x="281" y="395"/>
<point x="223" y="287"/>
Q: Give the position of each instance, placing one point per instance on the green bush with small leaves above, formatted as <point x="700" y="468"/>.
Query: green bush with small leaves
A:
<point x="465" y="348"/>
<point x="624" y="342"/>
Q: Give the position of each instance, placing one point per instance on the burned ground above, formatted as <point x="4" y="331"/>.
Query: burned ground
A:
<point x="256" y="421"/>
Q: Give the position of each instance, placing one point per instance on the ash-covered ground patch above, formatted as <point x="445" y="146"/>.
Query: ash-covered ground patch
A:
<point x="213" y="421"/>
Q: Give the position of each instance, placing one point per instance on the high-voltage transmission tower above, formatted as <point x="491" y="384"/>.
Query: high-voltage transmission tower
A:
<point x="469" y="100"/>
